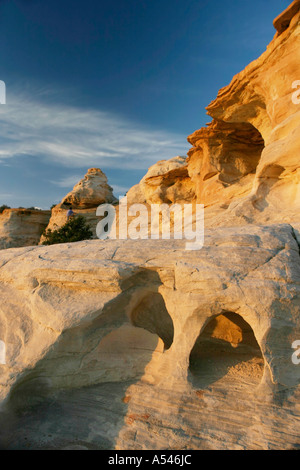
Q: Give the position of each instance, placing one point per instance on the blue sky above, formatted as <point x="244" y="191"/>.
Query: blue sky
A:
<point x="113" y="84"/>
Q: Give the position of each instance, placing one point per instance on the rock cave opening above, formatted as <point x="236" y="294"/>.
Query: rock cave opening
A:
<point x="241" y="152"/>
<point x="224" y="159"/>
<point x="226" y="350"/>
<point x="151" y="314"/>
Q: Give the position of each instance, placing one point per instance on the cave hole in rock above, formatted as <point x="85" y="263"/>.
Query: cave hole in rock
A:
<point x="152" y="315"/>
<point x="241" y="151"/>
<point x="226" y="349"/>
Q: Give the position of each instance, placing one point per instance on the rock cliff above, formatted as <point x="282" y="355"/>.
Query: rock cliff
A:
<point x="22" y="227"/>
<point x="244" y="165"/>
<point x="166" y="182"/>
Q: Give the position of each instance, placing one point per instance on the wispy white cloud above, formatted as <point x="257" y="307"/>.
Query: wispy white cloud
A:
<point x="75" y="137"/>
<point x="68" y="181"/>
<point x="5" y="195"/>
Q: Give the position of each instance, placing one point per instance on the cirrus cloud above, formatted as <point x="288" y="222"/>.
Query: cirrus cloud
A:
<point x="74" y="137"/>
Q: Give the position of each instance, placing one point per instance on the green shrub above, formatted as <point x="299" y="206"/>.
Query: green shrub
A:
<point x="75" y="230"/>
<point x="3" y="207"/>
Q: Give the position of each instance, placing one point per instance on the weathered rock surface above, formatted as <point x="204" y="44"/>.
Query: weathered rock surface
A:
<point x="22" y="227"/>
<point x="283" y="21"/>
<point x="223" y="161"/>
<point x="142" y="344"/>
<point x="245" y="164"/>
<point x="92" y="191"/>
<point x="166" y="182"/>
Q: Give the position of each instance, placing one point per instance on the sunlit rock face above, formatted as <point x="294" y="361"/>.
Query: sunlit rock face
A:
<point x="244" y="165"/>
<point x="223" y="161"/>
<point x="141" y="344"/>
<point x="90" y="192"/>
<point x="166" y="182"/>
<point x="22" y="227"/>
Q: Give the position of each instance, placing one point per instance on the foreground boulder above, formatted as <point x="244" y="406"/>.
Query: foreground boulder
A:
<point x="158" y="347"/>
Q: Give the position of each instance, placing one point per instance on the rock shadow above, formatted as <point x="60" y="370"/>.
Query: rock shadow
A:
<point x="225" y="351"/>
<point x="76" y="396"/>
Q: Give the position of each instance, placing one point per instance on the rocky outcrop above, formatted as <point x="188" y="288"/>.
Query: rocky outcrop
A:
<point x="283" y="21"/>
<point x="166" y="185"/>
<point x="166" y="182"/>
<point x="22" y="227"/>
<point x="92" y="191"/>
<point x="223" y="161"/>
<point x="157" y="347"/>
<point x="245" y="164"/>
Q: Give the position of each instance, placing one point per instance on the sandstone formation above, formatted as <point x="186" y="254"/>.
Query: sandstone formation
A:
<point x="283" y="21"/>
<point x="223" y="161"/>
<point x="141" y="344"/>
<point x="22" y="227"/>
<point x="91" y="191"/>
<point x="85" y="197"/>
<point x="245" y="164"/>
<point x="166" y="182"/>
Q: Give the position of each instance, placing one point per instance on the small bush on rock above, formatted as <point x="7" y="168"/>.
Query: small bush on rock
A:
<point x="75" y="230"/>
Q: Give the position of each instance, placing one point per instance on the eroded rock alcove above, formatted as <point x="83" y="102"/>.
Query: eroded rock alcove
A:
<point x="99" y="352"/>
<point x="226" y="350"/>
<point x="152" y="315"/>
<point x="223" y="154"/>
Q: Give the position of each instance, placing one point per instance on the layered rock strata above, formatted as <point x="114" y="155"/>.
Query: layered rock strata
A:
<point x="22" y="227"/>
<point x="166" y="182"/>
<point x="141" y="344"/>
<point x="245" y="163"/>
